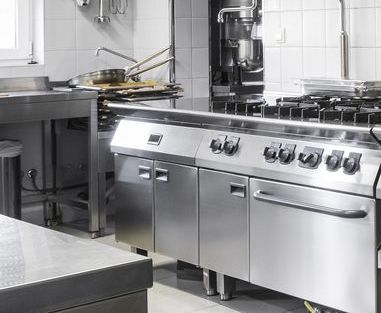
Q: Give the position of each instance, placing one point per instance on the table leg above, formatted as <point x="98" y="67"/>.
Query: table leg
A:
<point x="93" y="206"/>
<point x="102" y="201"/>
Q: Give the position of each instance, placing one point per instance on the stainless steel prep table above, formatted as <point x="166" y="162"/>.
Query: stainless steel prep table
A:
<point x="48" y="105"/>
<point x="42" y="270"/>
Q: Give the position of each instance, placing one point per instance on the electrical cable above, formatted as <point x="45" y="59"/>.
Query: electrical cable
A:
<point x="36" y="188"/>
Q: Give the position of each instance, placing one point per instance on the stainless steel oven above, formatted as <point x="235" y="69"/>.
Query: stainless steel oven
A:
<point x="314" y="244"/>
<point x="284" y="204"/>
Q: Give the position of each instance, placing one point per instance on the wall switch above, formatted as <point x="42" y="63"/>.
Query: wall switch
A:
<point x="280" y="36"/>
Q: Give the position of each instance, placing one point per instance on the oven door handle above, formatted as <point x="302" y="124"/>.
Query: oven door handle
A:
<point x="268" y="197"/>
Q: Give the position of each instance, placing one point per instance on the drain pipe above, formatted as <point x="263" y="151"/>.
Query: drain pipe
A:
<point x="251" y="8"/>
<point x="344" y="47"/>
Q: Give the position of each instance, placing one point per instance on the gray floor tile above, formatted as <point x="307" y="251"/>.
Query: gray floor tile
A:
<point x="216" y="309"/>
<point x="182" y="291"/>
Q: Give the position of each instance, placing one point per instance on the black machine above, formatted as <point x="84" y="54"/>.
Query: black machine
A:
<point x="236" y="47"/>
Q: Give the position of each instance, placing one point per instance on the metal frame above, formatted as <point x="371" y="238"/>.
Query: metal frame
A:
<point x="47" y="107"/>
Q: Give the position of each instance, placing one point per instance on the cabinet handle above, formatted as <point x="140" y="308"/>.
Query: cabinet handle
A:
<point x="238" y="190"/>
<point x="270" y="198"/>
<point x="145" y="172"/>
<point x="162" y="175"/>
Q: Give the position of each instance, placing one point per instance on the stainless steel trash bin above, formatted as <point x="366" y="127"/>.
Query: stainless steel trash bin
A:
<point x="10" y="178"/>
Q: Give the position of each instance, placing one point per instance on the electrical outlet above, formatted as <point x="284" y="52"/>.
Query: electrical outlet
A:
<point x="32" y="173"/>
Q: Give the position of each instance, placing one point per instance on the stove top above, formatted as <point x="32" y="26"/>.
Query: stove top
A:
<point x="324" y="109"/>
<point x="308" y="108"/>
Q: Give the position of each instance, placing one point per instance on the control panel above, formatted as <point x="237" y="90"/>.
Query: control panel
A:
<point x="312" y="157"/>
<point x="225" y="144"/>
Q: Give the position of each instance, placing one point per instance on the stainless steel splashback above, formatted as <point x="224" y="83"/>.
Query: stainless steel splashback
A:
<point x="24" y="84"/>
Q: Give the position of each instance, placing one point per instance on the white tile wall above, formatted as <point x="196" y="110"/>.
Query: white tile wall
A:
<point x="301" y="39"/>
<point x="71" y="36"/>
<point x="192" y="47"/>
<point x="150" y="20"/>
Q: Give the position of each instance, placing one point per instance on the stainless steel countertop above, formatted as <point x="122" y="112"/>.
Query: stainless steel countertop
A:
<point x="22" y="97"/>
<point x="43" y="105"/>
<point x="49" y="270"/>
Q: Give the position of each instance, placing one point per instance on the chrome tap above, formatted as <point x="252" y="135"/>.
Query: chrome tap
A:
<point x="220" y="17"/>
<point x="115" y="53"/>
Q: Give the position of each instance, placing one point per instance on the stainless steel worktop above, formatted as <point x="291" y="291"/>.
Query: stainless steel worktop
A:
<point x="51" y="271"/>
<point x="21" y="97"/>
<point x="40" y="105"/>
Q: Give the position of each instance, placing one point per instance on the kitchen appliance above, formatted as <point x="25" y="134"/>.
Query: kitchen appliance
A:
<point x="236" y="49"/>
<point x="288" y="203"/>
<point x="345" y="88"/>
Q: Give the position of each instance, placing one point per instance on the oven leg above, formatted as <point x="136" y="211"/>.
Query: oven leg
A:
<point x="210" y="282"/>
<point x="226" y="285"/>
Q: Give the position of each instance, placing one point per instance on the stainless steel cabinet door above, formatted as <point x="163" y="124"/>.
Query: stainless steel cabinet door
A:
<point x="314" y="244"/>
<point x="176" y="211"/>
<point x="224" y="223"/>
<point x="134" y="193"/>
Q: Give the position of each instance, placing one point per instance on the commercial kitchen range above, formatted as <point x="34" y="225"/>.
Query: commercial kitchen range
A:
<point x="286" y="197"/>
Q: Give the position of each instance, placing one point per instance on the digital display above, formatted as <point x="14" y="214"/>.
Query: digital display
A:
<point x="154" y="139"/>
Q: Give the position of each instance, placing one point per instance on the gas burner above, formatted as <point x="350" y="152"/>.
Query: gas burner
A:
<point x="241" y="106"/>
<point x="326" y="109"/>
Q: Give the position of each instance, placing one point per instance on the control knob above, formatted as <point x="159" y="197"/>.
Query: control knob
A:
<point x="310" y="158"/>
<point x="230" y="146"/>
<point x="270" y="153"/>
<point x="287" y="154"/>
<point x="333" y="161"/>
<point x="217" y="144"/>
<point x="351" y="164"/>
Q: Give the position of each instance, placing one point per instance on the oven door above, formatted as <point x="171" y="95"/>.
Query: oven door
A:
<point x="314" y="244"/>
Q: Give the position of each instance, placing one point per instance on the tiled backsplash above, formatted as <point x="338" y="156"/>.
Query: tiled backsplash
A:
<point x="71" y="36"/>
<point x="302" y="40"/>
<point x="192" y="46"/>
<point x="150" y="20"/>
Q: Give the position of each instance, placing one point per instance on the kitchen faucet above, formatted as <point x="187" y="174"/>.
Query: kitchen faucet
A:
<point x="115" y="53"/>
<point x="251" y="8"/>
